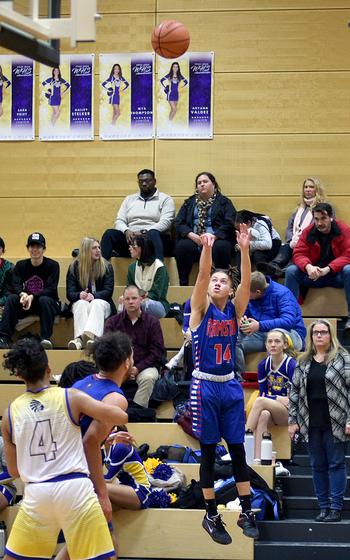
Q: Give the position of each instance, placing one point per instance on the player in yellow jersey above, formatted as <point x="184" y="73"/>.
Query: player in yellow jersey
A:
<point x="43" y="446"/>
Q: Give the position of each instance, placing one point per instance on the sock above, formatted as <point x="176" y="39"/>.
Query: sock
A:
<point x="210" y="506"/>
<point x="246" y="503"/>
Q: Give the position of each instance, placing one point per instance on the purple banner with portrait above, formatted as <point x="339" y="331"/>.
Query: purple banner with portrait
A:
<point x="126" y="96"/>
<point x="16" y="98"/>
<point x="185" y="96"/>
<point x="66" y="99"/>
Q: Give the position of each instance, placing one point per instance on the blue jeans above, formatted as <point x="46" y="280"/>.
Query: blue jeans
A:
<point x="256" y="343"/>
<point x="327" y="460"/>
<point x="295" y="277"/>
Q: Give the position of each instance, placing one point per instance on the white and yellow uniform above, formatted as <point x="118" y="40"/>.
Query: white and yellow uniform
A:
<point x="58" y="493"/>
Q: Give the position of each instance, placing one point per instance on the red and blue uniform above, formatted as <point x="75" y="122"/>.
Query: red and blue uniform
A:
<point x="217" y="401"/>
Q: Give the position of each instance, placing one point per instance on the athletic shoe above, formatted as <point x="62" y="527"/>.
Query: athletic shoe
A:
<point x="47" y="344"/>
<point x="247" y="523"/>
<point x="75" y="344"/>
<point x="5" y="342"/>
<point x="89" y="345"/>
<point x="216" y="529"/>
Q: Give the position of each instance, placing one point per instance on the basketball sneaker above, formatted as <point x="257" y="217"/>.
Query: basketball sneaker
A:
<point x="247" y="523"/>
<point x="216" y="529"/>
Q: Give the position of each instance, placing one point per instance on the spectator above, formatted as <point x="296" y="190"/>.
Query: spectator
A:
<point x="149" y="275"/>
<point x="312" y="193"/>
<point x="34" y="287"/>
<point x="207" y="211"/>
<point x="274" y="375"/>
<point x="5" y="276"/>
<point x="147" y="342"/>
<point x="322" y="255"/>
<point x="271" y="306"/>
<point x="265" y="241"/>
<point x="90" y="284"/>
<point x="149" y="210"/>
<point x="319" y="408"/>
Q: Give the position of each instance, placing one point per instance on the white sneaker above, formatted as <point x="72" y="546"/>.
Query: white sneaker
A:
<point x="172" y="363"/>
<point x="47" y="344"/>
<point x="280" y="470"/>
<point x="75" y="344"/>
<point x="89" y="345"/>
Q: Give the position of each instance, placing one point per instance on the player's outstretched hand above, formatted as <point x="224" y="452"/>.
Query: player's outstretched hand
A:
<point x="207" y="239"/>
<point x="243" y="237"/>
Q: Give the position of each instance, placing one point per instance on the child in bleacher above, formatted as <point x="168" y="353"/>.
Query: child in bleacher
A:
<point x="275" y="374"/>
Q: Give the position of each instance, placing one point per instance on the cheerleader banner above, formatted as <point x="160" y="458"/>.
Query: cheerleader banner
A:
<point x="185" y="96"/>
<point x="126" y="96"/>
<point x="16" y="98"/>
<point x="66" y="99"/>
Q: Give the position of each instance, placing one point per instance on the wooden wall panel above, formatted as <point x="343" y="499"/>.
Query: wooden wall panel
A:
<point x="258" y="165"/>
<point x="282" y="102"/>
<point x="235" y="5"/>
<point x="270" y="40"/>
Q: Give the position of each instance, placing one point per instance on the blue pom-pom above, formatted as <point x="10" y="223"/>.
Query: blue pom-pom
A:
<point x="163" y="472"/>
<point x="159" y="499"/>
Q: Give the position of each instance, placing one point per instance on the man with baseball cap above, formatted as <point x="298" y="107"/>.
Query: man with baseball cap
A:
<point x="33" y="292"/>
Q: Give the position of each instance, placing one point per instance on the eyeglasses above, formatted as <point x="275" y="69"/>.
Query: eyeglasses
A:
<point x="320" y="333"/>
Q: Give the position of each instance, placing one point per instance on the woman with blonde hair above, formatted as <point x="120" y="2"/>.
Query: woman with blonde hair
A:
<point x="90" y="284"/>
<point x="275" y="374"/>
<point x="312" y="192"/>
<point x="320" y="410"/>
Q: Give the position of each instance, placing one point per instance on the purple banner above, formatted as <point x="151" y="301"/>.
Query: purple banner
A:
<point x="81" y="76"/>
<point x="199" y="113"/>
<point x="142" y="92"/>
<point x="22" y="94"/>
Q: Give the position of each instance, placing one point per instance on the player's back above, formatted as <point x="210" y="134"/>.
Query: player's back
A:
<point x="48" y="441"/>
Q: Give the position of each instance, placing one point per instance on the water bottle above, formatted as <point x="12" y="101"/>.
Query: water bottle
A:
<point x="266" y="449"/>
<point x="249" y="446"/>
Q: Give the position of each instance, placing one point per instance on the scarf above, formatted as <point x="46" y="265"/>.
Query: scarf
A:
<point x="300" y="223"/>
<point x="203" y="207"/>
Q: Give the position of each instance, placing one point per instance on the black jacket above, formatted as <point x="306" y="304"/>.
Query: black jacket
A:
<point x="223" y="215"/>
<point x="104" y="285"/>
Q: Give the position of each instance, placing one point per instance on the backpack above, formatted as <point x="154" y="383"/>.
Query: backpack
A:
<point x="269" y="506"/>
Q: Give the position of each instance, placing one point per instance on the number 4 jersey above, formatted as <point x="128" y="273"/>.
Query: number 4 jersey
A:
<point x="48" y="441"/>
<point x="214" y="341"/>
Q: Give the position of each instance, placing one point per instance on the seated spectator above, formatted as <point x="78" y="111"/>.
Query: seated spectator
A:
<point x="207" y="211"/>
<point x="128" y="485"/>
<point x="265" y="241"/>
<point x="34" y="292"/>
<point x="5" y="276"/>
<point x="89" y="285"/>
<point x="149" y="275"/>
<point x="312" y="193"/>
<point x="7" y="487"/>
<point x="147" y="340"/>
<point x="274" y="376"/>
<point x="271" y="306"/>
<point x="149" y="210"/>
<point x="322" y="255"/>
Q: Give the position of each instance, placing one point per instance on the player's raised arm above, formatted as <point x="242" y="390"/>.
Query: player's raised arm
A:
<point x="199" y="299"/>
<point x="243" y="290"/>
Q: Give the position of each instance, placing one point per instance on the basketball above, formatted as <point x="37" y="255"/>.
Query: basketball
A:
<point x="170" y="39"/>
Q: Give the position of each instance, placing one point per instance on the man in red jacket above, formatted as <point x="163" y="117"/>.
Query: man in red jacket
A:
<point x="322" y="255"/>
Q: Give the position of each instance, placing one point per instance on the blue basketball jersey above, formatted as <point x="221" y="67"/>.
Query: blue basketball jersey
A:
<point x="214" y="341"/>
<point x="97" y="389"/>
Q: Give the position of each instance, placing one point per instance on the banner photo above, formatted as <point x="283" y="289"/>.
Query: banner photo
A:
<point x="126" y="96"/>
<point x="16" y="98"/>
<point x="185" y="96"/>
<point x="66" y="99"/>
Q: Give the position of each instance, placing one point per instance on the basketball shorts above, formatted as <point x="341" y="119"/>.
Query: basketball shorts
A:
<point x="46" y="508"/>
<point x="217" y="411"/>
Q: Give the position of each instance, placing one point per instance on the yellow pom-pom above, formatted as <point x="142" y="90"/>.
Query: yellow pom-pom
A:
<point x="173" y="497"/>
<point x="150" y="464"/>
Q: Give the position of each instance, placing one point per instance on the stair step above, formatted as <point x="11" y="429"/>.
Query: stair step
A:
<point x="304" y="460"/>
<point x="298" y="507"/>
<point x="303" y="530"/>
<point x="291" y="551"/>
<point x="301" y="485"/>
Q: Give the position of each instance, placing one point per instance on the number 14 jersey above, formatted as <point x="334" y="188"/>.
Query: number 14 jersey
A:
<point x="48" y="441"/>
<point x="214" y="341"/>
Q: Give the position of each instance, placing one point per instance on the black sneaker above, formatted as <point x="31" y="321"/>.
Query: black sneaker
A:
<point x="216" y="529"/>
<point x="5" y="342"/>
<point x="247" y="523"/>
